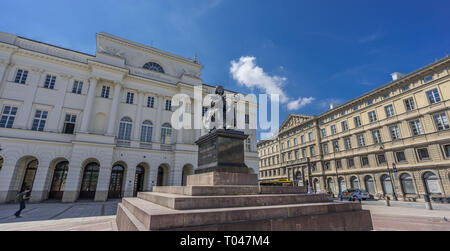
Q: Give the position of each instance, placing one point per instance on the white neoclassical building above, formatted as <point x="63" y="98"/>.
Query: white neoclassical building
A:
<point x="78" y="126"/>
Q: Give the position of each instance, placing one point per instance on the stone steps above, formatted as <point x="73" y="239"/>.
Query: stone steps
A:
<point x="228" y="190"/>
<point x="332" y="216"/>
<point x="184" y="202"/>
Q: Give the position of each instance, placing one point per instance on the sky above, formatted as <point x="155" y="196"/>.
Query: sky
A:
<point x="312" y="53"/>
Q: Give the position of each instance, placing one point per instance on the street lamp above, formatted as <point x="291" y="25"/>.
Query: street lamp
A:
<point x="390" y="175"/>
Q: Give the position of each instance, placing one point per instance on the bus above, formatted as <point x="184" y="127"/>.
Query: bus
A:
<point x="279" y="182"/>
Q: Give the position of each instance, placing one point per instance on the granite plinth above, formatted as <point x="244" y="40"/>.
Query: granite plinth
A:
<point x="229" y="190"/>
<point x="221" y="179"/>
<point x="221" y="151"/>
<point x="138" y="214"/>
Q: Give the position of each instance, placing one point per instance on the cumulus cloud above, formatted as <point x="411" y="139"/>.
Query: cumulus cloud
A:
<point x="247" y="73"/>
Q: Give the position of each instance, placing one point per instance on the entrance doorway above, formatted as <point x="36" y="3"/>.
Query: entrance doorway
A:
<point x="89" y="183"/>
<point x="30" y="174"/>
<point x="115" y="185"/>
<point x="139" y="180"/>
<point x="59" y="180"/>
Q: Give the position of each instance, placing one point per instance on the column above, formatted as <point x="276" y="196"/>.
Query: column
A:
<point x="129" y="181"/>
<point x="158" y="120"/>
<point x="138" y="122"/>
<point x="40" y="191"/>
<point x="113" y="112"/>
<point x="88" y="106"/>
<point x="7" y="193"/>
<point x="104" y="178"/>
<point x="73" y="182"/>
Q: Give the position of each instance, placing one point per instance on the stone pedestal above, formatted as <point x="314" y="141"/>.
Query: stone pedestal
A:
<point x="222" y="196"/>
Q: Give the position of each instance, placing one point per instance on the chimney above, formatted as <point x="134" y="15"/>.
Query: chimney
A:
<point x="397" y="75"/>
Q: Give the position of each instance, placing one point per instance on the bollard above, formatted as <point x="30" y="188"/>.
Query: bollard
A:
<point x="427" y="202"/>
<point x="388" y="201"/>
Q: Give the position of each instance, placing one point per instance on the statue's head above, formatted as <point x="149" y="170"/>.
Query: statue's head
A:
<point x="219" y="90"/>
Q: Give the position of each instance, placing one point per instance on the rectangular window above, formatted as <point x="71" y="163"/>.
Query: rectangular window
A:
<point x="130" y="98"/>
<point x="372" y="117"/>
<point x="423" y="154"/>
<point x="247" y="119"/>
<point x="50" y="82"/>
<point x="376" y="136"/>
<point x="40" y="118"/>
<point x="77" y="87"/>
<point x="433" y="96"/>
<point x="325" y="148"/>
<point x="405" y="88"/>
<point x="441" y="121"/>
<point x="297" y="156"/>
<point x="327" y="165"/>
<point x="416" y="127"/>
<point x="313" y="151"/>
<point x="370" y="102"/>
<point x="304" y="152"/>
<point x="151" y="102"/>
<point x="428" y="78"/>
<point x="336" y="146"/>
<point x="347" y="143"/>
<point x="310" y="136"/>
<point x="333" y="129"/>
<point x="401" y="157"/>
<point x="168" y="105"/>
<point x="381" y="159"/>
<point x="344" y="125"/>
<point x="357" y="122"/>
<point x="295" y="142"/>
<point x="338" y="164"/>
<point x="105" y="91"/>
<point x="69" y="124"/>
<point x="302" y="139"/>
<point x="8" y="116"/>
<point x="389" y="111"/>
<point x="204" y="111"/>
<point x="409" y="104"/>
<point x="395" y="132"/>
<point x="21" y="76"/>
<point x="355" y="108"/>
<point x="324" y="133"/>
<point x="361" y="141"/>
<point x="351" y="163"/>
<point x="447" y="151"/>
<point x="365" y="161"/>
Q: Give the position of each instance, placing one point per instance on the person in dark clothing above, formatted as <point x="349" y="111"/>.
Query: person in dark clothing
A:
<point x="22" y="197"/>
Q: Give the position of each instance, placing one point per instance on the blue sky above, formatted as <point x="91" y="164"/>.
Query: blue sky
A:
<point x="315" y="51"/>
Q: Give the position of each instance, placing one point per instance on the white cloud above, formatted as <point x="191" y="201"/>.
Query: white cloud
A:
<point x="247" y="73"/>
<point x="299" y="103"/>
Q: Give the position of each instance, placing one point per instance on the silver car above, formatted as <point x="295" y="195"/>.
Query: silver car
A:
<point x="355" y="194"/>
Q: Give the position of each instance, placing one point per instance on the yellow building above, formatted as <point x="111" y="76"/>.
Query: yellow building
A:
<point x="395" y="139"/>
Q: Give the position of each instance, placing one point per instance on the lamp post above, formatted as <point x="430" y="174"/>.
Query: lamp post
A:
<point x="390" y="175"/>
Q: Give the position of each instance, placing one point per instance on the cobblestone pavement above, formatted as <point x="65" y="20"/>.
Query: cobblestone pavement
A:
<point x="90" y="216"/>
<point x="60" y="216"/>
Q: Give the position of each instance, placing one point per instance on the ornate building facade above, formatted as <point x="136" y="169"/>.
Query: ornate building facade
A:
<point x="79" y="126"/>
<point x="393" y="140"/>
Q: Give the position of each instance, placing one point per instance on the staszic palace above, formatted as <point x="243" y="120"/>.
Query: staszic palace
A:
<point x="402" y="125"/>
<point x="79" y="126"/>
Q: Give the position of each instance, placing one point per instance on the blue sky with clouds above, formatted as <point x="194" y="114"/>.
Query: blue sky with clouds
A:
<point x="313" y="52"/>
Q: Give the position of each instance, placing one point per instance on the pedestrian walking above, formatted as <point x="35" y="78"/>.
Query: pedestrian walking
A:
<point x="21" y="198"/>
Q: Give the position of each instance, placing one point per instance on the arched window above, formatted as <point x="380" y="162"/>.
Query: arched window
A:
<point x="316" y="186"/>
<point x="166" y="134"/>
<point x="146" y="132"/>
<point x="330" y="183"/>
<point x="125" y="128"/>
<point x="30" y="174"/>
<point x="354" y="182"/>
<point x="89" y="182"/>
<point x="370" y="187"/>
<point x="431" y="183"/>
<point x="407" y="184"/>
<point x="387" y="185"/>
<point x="342" y="184"/>
<point x="59" y="180"/>
<point x="152" y="66"/>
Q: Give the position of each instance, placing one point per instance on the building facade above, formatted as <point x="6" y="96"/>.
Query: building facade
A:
<point x="393" y="140"/>
<point x="79" y="126"/>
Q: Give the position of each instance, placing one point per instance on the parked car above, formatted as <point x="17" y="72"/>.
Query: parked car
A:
<point x="355" y="194"/>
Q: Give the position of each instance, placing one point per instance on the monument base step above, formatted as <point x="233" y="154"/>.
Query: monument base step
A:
<point x="315" y="216"/>
<point x="185" y="202"/>
<point x="229" y="190"/>
<point x="222" y="179"/>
